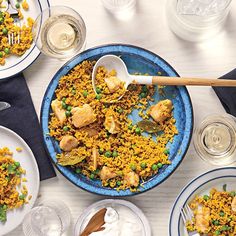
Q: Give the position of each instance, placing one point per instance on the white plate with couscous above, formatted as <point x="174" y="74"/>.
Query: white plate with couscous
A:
<point x="17" y="49"/>
<point x="19" y="180"/>
<point x="212" y="199"/>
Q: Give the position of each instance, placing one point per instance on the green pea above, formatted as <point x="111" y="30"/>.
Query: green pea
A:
<point x="64" y="106"/>
<point x="115" y="154"/>
<point x="17" y="164"/>
<point x="65" y="128"/>
<point x="166" y="151"/>
<point x="222" y="213"/>
<point x="154" y="167"/>
<point x="143" y="95"/>
<point x="206" y="197"/>
<point x="133" y="167"/>
<point x="85" y="93"/>
<point x="98" y="90"/>
<point x="7" y="50"/>
<point x="107" y="154"/>
<point x="98" y="96"/>
<point x="17" y="5"/>
<point x="159" y="165"/>
<point x="232" y="193"/>
<point x="1" y="54"/>
<point x="215" y="222"/>
<point x="4" y="31"/>
<point x="73" y="91"/>
<point x="118" y="183"/>
<point x="101" y="151"/>
<point x="138" y="130"/>
<point x="130" y="126"/>
<point x="63" y="99"/>
<point x="22" y="197"/>
<point x="144" y="88"/>
<point x="224" y="228"/>
<point x="77" y="170"/>
<point x="143" y="165"/>
<point x="69" y="108"/>
<point x="92" y="176"/>
<point x="120" y="110"/>
<point x="217" y="232"/>
<point x="68" y="113"/>
<point x="1" y="19"/>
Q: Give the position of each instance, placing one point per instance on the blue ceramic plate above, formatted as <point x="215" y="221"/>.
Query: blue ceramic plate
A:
<point x="137" y="60"/>
<point x="200" y="186"/>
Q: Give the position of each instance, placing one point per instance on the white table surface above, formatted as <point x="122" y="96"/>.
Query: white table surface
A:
<point x="148" y="28"/>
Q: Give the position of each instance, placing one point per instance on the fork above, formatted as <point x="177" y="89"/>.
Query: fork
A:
<point x="187" y="215"/>
<point x="13" y="39"/>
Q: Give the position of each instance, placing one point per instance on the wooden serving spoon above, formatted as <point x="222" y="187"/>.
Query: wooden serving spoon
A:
<point x="95" y="223"/>
<point x="114" y="62"/>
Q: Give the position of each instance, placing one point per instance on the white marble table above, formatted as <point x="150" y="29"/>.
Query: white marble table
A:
<point x="148" y="29"/>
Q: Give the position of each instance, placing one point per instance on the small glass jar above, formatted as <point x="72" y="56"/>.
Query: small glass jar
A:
<point x="115" y="204"/>
<point x="215" y="139"/>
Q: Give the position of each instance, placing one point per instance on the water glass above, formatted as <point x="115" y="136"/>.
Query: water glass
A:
<point x="215" y="139"/>
<point x="59" y="32"/>
<point x="49" y="218"/>
<point x="120" y="8"/>
<point x="197" y="20"/>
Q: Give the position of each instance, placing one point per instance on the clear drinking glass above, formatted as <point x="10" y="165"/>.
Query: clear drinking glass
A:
<point x="215" y="139"/>
<point x="49" y="218"/>
<point x="196" y="20"/>
<point x="120" y="8"/>
<point x="59" y="32"/>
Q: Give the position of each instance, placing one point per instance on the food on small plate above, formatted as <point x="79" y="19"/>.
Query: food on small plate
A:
<point x="99" y="140"/>
<point x="13" y="193"/>
<point x="21" y="37"/>
<point x="214" y="214"/>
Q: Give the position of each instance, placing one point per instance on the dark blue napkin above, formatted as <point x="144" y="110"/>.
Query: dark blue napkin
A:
<point x="227" y="95"/>
<point x="22" y="118"/>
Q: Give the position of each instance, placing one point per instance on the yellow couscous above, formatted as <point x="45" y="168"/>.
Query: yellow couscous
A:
<point x="99" y="140"/>
<point x="21" y="35"/>
<point x="214" y="214"/>
<point x="10" y="179"/>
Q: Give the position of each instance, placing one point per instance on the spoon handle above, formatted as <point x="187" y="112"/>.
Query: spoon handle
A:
<point x="165" y="80"/>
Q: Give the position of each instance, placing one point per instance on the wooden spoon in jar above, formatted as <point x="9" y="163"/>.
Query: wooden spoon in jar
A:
<point x="95" y="223"/>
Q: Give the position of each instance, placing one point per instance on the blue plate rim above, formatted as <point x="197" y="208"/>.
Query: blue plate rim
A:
<point x="190" y="183"/>
<point x="113" y="192"/>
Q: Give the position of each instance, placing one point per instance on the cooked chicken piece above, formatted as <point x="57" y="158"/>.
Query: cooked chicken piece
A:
<point x="106" y="173"/>
<point x="82" y="116"/>
<point x="95" y="158"/>
<point x="68" y="143"/>
<point x="58" y="110"/>
<point x="90" y="131"/>
<point x="132" y="179"/>
<point x="233" y="204"/>
<point x="162" y="110"/>
<point x="113" y="83"/>
<point x="202" y="219"/>
<point x="111" y="125"/>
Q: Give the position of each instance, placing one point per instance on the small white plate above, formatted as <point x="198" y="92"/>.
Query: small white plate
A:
<point x="200" y="186"/>
<point x="14" y="64"/>
<point x="27" y="160"/>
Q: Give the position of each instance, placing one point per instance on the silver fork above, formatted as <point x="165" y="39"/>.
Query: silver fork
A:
<point x="13" y="39"/>
<point x="187" y="215"/>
